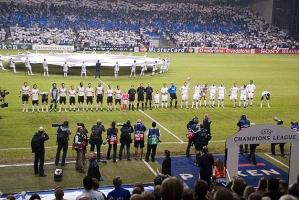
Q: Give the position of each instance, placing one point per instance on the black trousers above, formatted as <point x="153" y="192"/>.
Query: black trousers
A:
<point x="190" y="143"/>
<point x="121" y="149"/>
<point x="242" y="150"/>
<point x="53" y="101"/>
<point x="98" y="74"/>
<point x="281" y="147"/>
<point x="98" y="146"/>
<point x="114" y="146"/>
<point x="251" y="155"/>
<point x="64" y="148"/>
<point x="151" y="150"/>
<point x="39" y="159"/>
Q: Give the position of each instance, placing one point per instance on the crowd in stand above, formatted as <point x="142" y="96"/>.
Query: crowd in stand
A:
<point x="173" y="189"/>
<point x="124" y="23"/>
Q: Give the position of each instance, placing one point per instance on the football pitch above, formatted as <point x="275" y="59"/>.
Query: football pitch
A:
<point x="276" y="73"/>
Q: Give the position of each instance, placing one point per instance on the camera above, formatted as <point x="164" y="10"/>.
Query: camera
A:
<point x="3" y="93"/>
<point x="121" y="124"/>
<point x="56" y="125"/>
<point x="80" y="124"/>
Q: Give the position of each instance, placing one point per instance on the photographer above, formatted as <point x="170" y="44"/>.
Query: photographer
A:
<point x="79" y="145"/>
<point x="125" y="139"/>
<point x="38" y="148"/>
<point x="96" y="139"/>
<point x="85" y="131"/>
<point x="200" y="139"/>
<point x="295" y="126"/>
<point x="190" y="134"/>
<point x="62" y="141"/>
<point x="281" y="145"/>
<point x="152" y="142"/>
<point x="3" y="103"/>
<point x="139" y="130"/>
<point x="112" y="141"/>
<point x="243" y="123"/>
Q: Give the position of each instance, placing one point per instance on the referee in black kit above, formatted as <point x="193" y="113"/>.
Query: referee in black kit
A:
<point x="140" y="96"/>
<point x="149" y="96"/>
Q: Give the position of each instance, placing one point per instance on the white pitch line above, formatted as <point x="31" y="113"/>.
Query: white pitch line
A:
<point x="167" y="130"/>
<point x="149" y="167"/>
<point x="53" y="147"/>
<point x="31" y="164"/>
<point x="276" y="160"/>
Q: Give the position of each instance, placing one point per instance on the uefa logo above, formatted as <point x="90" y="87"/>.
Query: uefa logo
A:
<point x="266" y="131"/>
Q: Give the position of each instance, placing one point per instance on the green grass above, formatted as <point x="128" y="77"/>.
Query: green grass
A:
<point x="275" y="73"/>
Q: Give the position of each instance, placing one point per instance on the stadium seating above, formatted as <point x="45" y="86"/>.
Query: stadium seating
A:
<point x="129" y="23"/>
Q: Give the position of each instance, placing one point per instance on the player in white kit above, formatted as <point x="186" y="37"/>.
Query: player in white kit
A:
<point x="143" y="69"/>
<point x="154" y="68"/>
<point x="13" y="65"/>
<point x="196" y="96"/>
<point x="34" y="97"/>
<point x="265" y="95"/>
<point x="163" y="66"/>
<point x="83" y="69"/>
<point x="109" y="93"/>
<point x="89" y="91"/>
<point x="72" y="94"/>
<point x="156" y="99"/>
<point x="212" y="90"/>
<point x="65" y="69"/>
<point x="81" y="95"/>
<point x="185" y="93"/>
<point x="117" y="97"/>
<point x="164" y="96"/>
<point x="203" y="95"/>
<point x="250" y="89"/>
<point x="25" y="92"/>
<point x="221" y="93"/>
<point x="99" y="92"/>
<point x="234" y="94"/>
<point x="133" y="69"/>
<point x="62" y="97"/>
<point x="45" y="68"/>
<point x="116" y="69"/>
<point x="243" y="96"/>
<point x="1" y="64"/>
<point x="28" y="66"/>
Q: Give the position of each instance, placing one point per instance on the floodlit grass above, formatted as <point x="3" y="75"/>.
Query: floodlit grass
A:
<point x="275" y="73"/>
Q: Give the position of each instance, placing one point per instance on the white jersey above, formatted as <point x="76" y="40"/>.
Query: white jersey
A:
<point x="45" y="66"/>
<point x="89" y="91"/>
<point x="212" y="89"/>
<point x="184" y="90"/>
<point x="62" y="92"/>
<point x="109" y="92"/>
<point x="27" y="63"/>
<point x="234" y="93"/>
<point x="72" y="93"/>
<point x="221" y="90"/>
<point x="25" y="90"/>
<point x="100" y="90"/>
<point x="65" y="67"/>
<point x="12" y="65"/>
<point x="157" y="98"/>
<point x="116" y="67"/>
<point x="197" y="90"/>
<point x="83" y="68"/>
<point x="34" y="94"/>
<point x="154" y="67"/>
<point x="143" y="68"/>
<point x="81" y="91"/>
<point x="243" y="93"/>
<point x="117" y="94"/>
<point x="133" y="67"/>
<point x="250" y="88"/>
<point x="164" y="90"/>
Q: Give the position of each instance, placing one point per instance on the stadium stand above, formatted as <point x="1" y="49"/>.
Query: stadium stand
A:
<point x="131" y="23"/>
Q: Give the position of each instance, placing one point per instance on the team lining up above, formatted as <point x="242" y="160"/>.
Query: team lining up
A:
<point x="125" y="100"/>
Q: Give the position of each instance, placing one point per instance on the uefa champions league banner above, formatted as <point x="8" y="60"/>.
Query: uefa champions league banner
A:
<point x="53" y="47"/>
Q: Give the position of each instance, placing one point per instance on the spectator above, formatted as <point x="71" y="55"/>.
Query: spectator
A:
<point x="10" y="197"/>
<point x="118" y="192"/>
<point x="88" y="190"/>
<point x="223" y="194"/>
<point x="238" y="186"/>
<point x="136" y="197"/>
<point x="200" y="190"/>
<point x="294" y="190"/>
<point x="148" y="195"/>
<point x="288" y="197"/>
<point x="166" y="164"/>
<point x="59" y="193"/>
<point x="136" y="190"/>
<point x="35" y="197"/>
<point x="157" y="192"/>
<point x="248" y="191"/>
<point x="139" y="185"/>
<point x="171" y="189"/>
<point x="255" y="196"/>
<point x="262" y="186"/>
<point x="273" y="189"/>
<point x="187" y="194"/>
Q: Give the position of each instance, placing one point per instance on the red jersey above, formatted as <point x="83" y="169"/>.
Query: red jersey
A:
<point x="125" y="96"/>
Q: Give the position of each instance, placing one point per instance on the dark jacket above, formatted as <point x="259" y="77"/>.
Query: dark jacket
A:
<point x="207" y="125"/>
<point x="98" y="66"/>
<point x="38" y="142"/>
<point x="94" y="170"/>
<point x="119" y="193"/>
<point x="96" y="134"/>
<point x="205" y="164"/>
<point x="166" y="166"/>
<point x="125" y="134"/>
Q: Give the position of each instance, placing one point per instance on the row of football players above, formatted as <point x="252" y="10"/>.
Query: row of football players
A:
<point x="125" y="100"/>
<point x="143" y="68"/>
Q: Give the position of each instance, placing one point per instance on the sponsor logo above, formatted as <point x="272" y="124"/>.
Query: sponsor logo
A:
<point x="266" y="131"/>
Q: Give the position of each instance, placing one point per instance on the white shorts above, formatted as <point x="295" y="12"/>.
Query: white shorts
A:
<point x="233" y="97"/>
<point x="164" y="97"/>
<point x="221" y="96"/>
<point x="126" y="102"/>
<point x="243" y="97"/>
<point x="212" y="96"/>
<point x="185" y="97"/>
<point x="46" y="69"/>
<point x="157" y="101"/>
<point x="250" y="95"/>
<point x="196" y="97"/>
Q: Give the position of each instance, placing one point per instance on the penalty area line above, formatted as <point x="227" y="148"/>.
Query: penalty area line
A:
<point x="167" y="130"/>
<point x="271" y="157"/>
